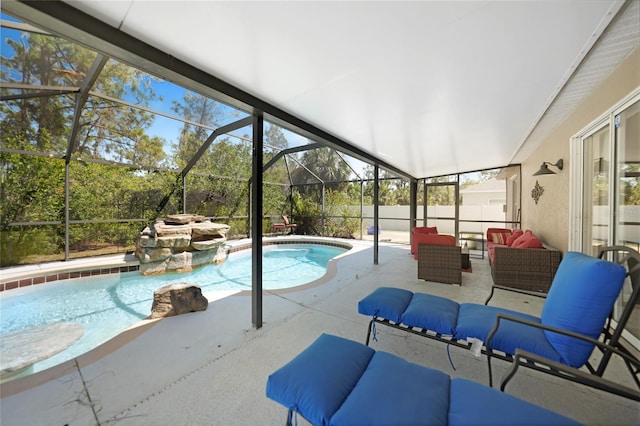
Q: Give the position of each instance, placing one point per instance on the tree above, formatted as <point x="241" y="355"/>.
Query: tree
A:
<point x="33" y="185"/>
<point x="201" y="110"/>
<point x="324" y="163"/>
<point x="277" y="186"/>
<point x="35" y="62"/>
<point x="391" y="190"/>
<point x="274" y="138"/>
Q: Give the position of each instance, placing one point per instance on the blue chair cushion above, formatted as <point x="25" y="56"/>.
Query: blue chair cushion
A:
<point x="386" y="302"/>
<point x="475" y="404"/>
<point x="581" y="297"/>
<point x="317" y="382"/>
<point x="432" y="313"/>
<point x="477" y="321"/>
<point x="393" y="391"/>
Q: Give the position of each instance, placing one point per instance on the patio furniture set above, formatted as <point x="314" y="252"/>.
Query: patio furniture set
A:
<point x="519" y="260"/>
<point x="334" y="379"/>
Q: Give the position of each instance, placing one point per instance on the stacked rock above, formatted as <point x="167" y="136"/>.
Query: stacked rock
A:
<point x="180" y="242"/>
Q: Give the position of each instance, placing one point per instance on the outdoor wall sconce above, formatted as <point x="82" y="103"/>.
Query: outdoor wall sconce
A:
<point x="544" y="169"/>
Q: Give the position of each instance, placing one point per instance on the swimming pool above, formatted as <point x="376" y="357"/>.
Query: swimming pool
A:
<point x="108" y="305"/>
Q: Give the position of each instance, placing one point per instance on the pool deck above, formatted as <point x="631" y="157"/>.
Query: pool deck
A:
<point x="211" y="367"/>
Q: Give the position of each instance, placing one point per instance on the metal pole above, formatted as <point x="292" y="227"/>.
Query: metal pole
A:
<point x="361" y="205"/>
<point x="323" y="230"/>
<point x="184" y="194"/>
<point x="249" y="207"/>
<point x="457" y="209"/>
<point x="256" y="222"/>
<point x="66" y="210"/>
<point x="413" y="207"/>
<point x="376" y="191"/>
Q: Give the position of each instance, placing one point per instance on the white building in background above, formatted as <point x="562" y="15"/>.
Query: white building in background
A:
<point x="490" y="192"/>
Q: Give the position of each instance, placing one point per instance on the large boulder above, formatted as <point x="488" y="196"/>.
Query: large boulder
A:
<point x="177" y="299"/>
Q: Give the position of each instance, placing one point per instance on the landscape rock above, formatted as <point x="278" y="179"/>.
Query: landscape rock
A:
<point x="180" y="219"/>
<point x="177" y="299"/>
<point x="207" y="244"/>
<point x="209" y="228"/>
<point x="174" y="241"/>
<point x="165" y="230"/>
<point x="146" y="241"/>
<point x="149" y="255"/>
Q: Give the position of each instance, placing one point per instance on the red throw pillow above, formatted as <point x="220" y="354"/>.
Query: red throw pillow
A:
<point x="514" y="236"/>
<point x="520" y="240"/>
<point x="532" y="242"/>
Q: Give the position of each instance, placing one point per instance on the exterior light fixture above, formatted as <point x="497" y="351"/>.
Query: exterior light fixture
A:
<point x="545" y="170"/>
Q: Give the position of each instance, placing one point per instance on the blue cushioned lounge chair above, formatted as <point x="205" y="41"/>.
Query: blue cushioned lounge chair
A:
<point x="573" y="318"/>
<point x="336" y="381"/>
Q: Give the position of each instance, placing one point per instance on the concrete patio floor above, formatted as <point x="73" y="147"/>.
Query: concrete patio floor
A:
<point x="211" y="367"/>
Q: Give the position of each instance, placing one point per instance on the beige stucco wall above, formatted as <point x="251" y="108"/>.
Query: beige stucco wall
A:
<point x="550" y="217"/>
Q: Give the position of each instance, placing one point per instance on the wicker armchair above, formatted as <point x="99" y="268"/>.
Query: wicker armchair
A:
<point x="440" y="263"/>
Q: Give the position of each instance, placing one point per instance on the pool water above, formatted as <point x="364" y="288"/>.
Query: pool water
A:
<point x="108" y="305"/>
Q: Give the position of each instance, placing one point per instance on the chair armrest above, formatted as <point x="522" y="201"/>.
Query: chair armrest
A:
<point x="569" y="333"/>
<point x="574" y="374"/>
<point x="633" y="364"/>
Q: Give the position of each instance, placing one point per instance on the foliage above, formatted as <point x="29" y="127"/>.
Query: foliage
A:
<point x="338" y="217"/>
<point x="32" y="187"/>
<point x="307" y="214"/>
<point x="630" y="184"/>
<point x="339" y="222"/>
<point x="321" y="165"/>
<point x="21" y="242"/>
<point x="392" y="191"/>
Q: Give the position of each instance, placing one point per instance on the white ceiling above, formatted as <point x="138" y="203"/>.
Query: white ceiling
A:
<point x="431" y="87"/>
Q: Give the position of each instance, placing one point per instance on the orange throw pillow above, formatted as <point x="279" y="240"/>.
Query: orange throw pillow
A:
<point x="500" y="238"/>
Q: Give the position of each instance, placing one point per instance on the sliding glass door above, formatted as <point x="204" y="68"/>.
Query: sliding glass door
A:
<point x="595" y="209"/>
<point x="606" y="191"/>
<point x="627" y="203"/>
<point x="627" y="196"/>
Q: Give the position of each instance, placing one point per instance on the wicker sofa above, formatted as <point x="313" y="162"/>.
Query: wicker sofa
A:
<point x="529" y="267"/>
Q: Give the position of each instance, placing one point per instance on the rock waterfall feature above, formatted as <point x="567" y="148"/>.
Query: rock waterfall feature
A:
<point x="180" y="242"/>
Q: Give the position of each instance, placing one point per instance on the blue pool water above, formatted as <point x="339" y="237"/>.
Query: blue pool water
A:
<point x="108" y="305"/>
